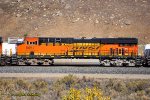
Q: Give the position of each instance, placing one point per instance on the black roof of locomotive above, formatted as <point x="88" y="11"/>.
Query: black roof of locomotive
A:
<point x="120" y="40"/>
<point x="51" y="39"/>
<point x="92" y="40"/>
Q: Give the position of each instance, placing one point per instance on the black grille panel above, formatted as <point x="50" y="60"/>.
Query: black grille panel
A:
<point x="92" y="40"/>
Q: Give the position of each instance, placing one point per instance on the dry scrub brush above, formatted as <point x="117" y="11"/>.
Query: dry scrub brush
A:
<point x="72" y="86"/>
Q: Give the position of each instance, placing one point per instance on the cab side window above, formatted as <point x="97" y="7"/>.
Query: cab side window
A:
<point x="31" y="43"/>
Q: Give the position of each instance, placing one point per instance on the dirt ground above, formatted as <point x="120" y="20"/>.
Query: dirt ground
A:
<point x="61" y="75"/>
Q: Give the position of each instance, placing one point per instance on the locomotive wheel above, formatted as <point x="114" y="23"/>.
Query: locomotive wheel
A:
<point x="8" y="61"/>
<point x="46" y="62"/>
<point x="3" y="63"/>
<point x="27" y="62"/>
<point x="40" y="63"/>
<point x="51" y="62"/>
<point x="106" y="63"/>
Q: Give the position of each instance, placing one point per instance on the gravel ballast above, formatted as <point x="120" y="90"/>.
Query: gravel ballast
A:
<point x="75" y="69"/>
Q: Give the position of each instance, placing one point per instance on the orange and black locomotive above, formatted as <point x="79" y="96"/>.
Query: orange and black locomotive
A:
<point x="43" y="50"/>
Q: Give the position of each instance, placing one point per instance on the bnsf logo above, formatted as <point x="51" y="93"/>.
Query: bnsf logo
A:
<point x="28" y="47"/>
<point x="86" y="48"/>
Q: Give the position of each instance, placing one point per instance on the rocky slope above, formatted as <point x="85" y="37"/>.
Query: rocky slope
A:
<point x="76" y="18"/>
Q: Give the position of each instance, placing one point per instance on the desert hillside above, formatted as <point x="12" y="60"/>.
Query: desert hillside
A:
<point x="76" y="18"/>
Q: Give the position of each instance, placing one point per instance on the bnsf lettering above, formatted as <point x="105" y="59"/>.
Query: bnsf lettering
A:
<point x="86" y="48"/>
<point x="91" y="48"/>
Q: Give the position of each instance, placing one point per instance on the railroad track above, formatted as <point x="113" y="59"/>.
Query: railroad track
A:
<point x="75" y="69"/>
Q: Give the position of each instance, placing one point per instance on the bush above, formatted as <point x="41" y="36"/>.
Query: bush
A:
<point x="41" y="85"/>
<point x="85" y="94"/>
<point x="138" y="85"/>
<point x="22" y="84"/>
<point x="118" y="89"/>
<point x="26" y="34"/>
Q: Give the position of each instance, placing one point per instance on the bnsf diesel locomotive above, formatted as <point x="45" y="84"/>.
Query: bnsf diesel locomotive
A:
<point x="43" y="51"/>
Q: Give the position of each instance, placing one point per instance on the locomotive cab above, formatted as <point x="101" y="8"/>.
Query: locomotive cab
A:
<point x="147" y="55"/>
